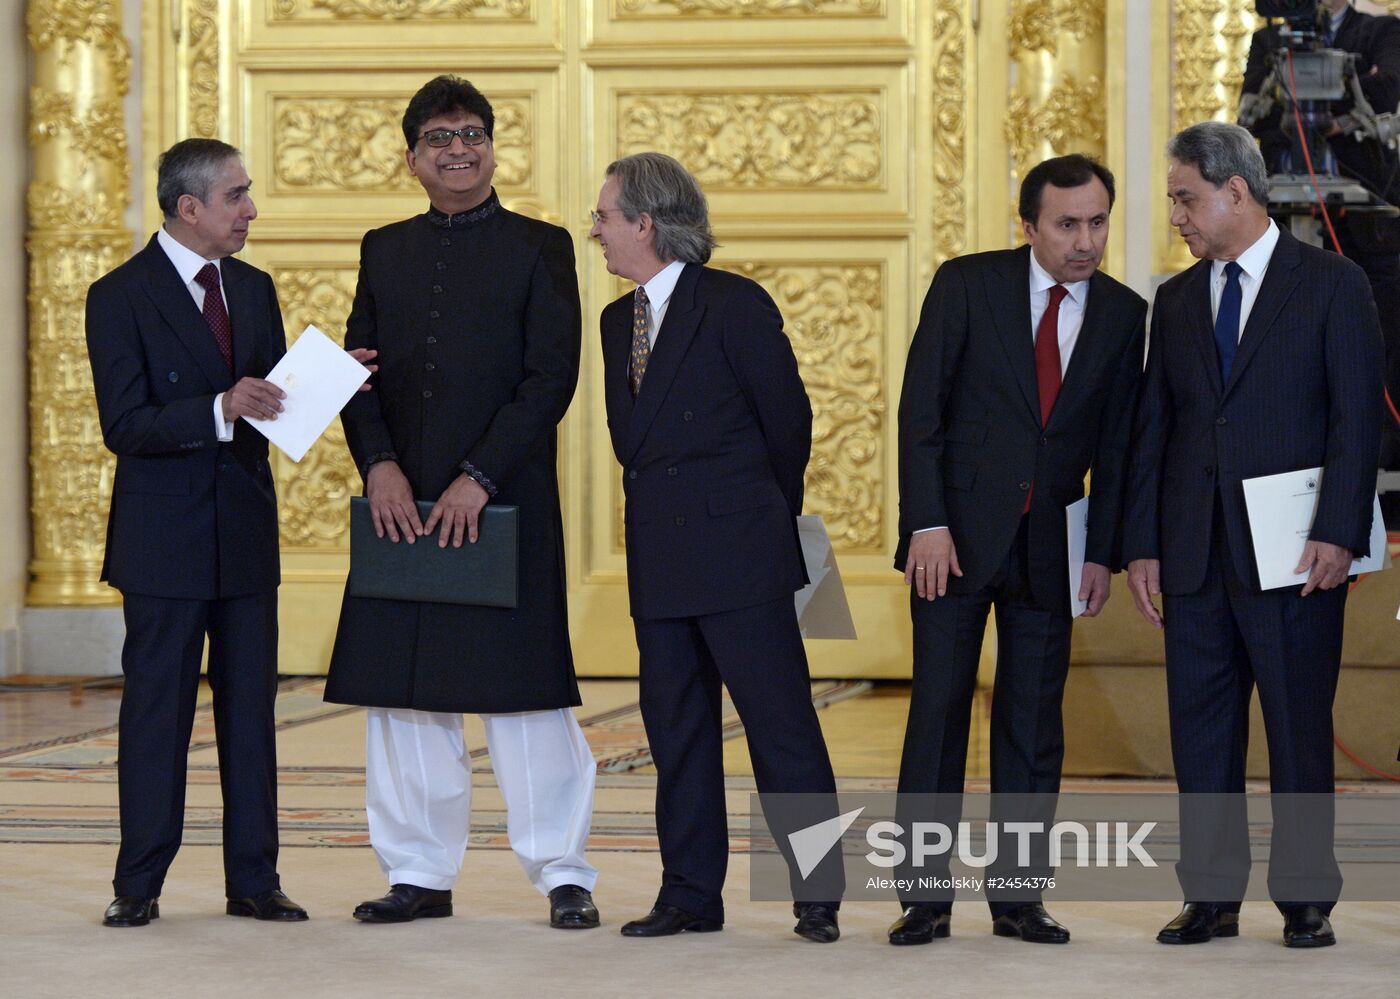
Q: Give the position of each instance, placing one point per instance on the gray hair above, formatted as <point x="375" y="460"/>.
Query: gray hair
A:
<point x="657" y="185"/>
<point x="189" y="167"/>
<point x="1220" y="151"/>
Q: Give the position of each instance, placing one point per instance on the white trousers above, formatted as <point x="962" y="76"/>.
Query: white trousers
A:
<point x="418" y="787"/>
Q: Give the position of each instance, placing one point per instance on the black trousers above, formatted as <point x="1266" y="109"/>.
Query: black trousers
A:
<point x="161" y="660"/>
<point x="1222" y="641"/>
<point x="1027" y="737"/>
<point x="757" y="653"/>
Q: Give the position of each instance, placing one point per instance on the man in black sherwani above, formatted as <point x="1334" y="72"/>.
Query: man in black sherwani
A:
<point x="475" y="313"/>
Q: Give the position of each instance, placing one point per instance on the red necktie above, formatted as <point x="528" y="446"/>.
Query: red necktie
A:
<point x="1047" y="361"/>
<point x="215" y="314"/>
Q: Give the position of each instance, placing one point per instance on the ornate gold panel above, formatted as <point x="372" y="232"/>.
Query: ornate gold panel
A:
<point x="751" y="23"/>
<point x="314" y="494"/>
<point x="419" y="26"/>
<point x="821" y="139"/>
<point x="320" y="145"/>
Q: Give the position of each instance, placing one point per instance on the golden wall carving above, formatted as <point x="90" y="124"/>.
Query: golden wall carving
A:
<point x="401" y="10"/>
<point x="81" y="70"/>
<point x="834" y="314"/>
<point x="313" y="494"/>
<point x="356" y="143"/>
<point x="741" y="141"/>
<point x="203" y="63"/>
<point x="1210" y="41"/>
<point x="1057" y="104"/>
<point x="949" y="130"/>
<point x="625" y="9"/>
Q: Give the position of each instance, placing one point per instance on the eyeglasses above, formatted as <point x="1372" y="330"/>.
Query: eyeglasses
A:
<point x="599" y="217"/>
<point x="438" y="138"/>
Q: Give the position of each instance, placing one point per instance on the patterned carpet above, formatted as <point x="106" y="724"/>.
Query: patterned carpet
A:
<point x="47" y="793"/>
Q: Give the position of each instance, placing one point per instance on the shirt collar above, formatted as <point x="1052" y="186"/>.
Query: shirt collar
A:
<point x="187" y="262"/>
<point x="1041" y="282"/>
<point x="459" y="220"/>
<point x="1335" y="20"/>
<point x="1255" y="260"/>
<point x="663" y="284"/>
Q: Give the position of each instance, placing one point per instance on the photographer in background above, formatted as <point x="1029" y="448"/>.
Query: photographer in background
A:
<point x="1372" y="243"/>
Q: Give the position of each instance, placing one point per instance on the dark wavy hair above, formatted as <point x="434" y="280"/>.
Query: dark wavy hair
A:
<point x="1074" y="170"/>
<point x="443" y="95"/>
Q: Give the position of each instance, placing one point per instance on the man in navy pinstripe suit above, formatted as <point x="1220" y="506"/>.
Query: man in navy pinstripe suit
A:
<point x="1264" y="357"/>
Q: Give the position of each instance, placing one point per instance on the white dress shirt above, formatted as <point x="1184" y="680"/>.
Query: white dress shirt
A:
<point x="187" y="265"/>
<point x="1071" y="309"/>
<point x="1254" y="264"/>
<point x="659" y="290"/>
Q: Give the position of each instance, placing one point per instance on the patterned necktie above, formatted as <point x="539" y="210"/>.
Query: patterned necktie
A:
<point x="641" y="341"/>
<point x="215" y="314"/>
<point x="1047" y="353"/>
<point x="1227" y="320"/>
<point x="1047" y="362"/>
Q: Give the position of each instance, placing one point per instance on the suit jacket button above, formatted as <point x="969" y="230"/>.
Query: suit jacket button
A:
<point x="1220" y="421"/>
<point x="432" y="339"/>
<point x="427" y="393"/>
<point x="680" y="521"/>
<point x="174" y="376"/>
<point x="1025" y="486"/>
<point x="433" y="314"/>
<point x="1044" y="441"/>
<point x="445" y="241"/>
<point x="429" y="366"/>
<point x="687" y="416"/>
<point x="441" y="266"/>
<point x="671" y="470"/>
<point x="437" y="289"/>
<point x="632" y="473"/>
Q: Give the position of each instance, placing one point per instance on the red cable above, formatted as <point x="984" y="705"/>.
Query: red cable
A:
<point x="1390" y="403"/>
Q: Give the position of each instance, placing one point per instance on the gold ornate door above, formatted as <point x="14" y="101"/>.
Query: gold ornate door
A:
<point x="840" y="143"/>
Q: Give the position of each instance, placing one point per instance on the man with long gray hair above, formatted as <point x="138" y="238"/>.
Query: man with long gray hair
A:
<point x="1264" y="358"/>
<point x="712" y="426"/>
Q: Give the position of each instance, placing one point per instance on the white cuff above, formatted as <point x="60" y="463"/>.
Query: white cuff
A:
<point x="223" y="429"/>
<point x="925" y="530"/>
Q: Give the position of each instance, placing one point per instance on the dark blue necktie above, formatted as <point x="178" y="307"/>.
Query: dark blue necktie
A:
<point x="1227" y="320"/>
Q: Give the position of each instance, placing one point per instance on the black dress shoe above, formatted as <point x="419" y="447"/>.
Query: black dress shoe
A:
<point x="816" y="922"/>
<point x="1199" y="923"/>
<point x="405" y="903"/>
<point x="920" y="924"/>
<point x="272" y="904"/>
<point x="572" y="908"/>
<point x="666" y="920"/>
<point x="1031" y="923"/>
<point x="1306" y="926"/>
<point x="131" y="910"/>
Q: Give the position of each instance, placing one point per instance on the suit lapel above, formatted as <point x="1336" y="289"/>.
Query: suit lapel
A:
<point x="1200" y="325"/>
<point x="243" y="317"/>
<point x="174" y="302"/>
<point x="616" y="352"/>
<point x="1280" y="280"/>
<point x="672" y="341"/>
<point x="1091" y="341"/>
<point x="1009" y="299"/>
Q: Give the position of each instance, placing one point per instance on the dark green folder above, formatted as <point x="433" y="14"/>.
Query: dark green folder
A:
<point x="485" y="573"/>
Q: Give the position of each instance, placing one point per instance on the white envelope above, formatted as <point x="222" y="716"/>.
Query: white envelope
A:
<point x="319" y="379"/>
<point x="1281" y="510"/>
<point x="1077" y="531"/>
<point x="822" y="611"/>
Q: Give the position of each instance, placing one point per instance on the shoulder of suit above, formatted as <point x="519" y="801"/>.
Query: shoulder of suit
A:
<point x="130" y="271"/>
<point x="1318" y="261"/>
<point x="996" y="259"/>
<point x="1173" y="283"/>
<point x="235" y="268"/>
<point x="1115" y="290"/>
<point x="533" y="228"/>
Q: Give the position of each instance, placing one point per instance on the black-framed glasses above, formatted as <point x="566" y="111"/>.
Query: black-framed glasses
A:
<point x="472" y="135"/>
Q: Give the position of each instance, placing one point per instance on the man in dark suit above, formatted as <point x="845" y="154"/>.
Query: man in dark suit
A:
<point x="1265" y="358"/>
<point x="1021" y="378"/>
<point x="180" y="337"/>
<point x="712" y="426"/>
